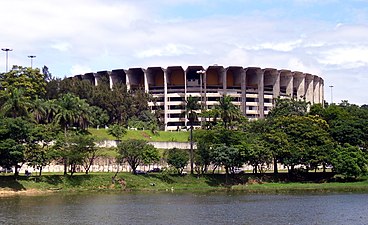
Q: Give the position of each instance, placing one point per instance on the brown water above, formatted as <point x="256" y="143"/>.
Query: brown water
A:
<point x="175" y="208"/>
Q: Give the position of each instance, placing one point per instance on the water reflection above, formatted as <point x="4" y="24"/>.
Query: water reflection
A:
<point x="176" y="208"/>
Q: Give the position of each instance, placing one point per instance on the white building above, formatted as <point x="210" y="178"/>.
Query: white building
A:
<point x="253" y="89"/>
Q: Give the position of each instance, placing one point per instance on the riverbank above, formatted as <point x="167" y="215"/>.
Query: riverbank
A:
<point x="103" y="182"/>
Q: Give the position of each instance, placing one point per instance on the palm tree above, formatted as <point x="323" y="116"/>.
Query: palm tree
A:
<point x="16" y="104"/>
<point x="191" y="105"/>
<point x="66" y="114"/>
<point x="227" y="111"/>
<point x="38" y="110"/>
<point x="51" y="108"/>
<point x="83" y="117"/>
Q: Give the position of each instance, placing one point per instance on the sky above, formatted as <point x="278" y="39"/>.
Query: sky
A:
<point x="326" y="38"/>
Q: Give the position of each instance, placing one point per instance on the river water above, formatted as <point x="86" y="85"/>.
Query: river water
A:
<point x="185" y="208"/>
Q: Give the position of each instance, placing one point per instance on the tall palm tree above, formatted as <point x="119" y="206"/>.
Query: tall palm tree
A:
<point x="191" y="106"/>
<point x="66" y="114"/>
<point x="227" y="111"/>
<point x="16" y="104"/>
<point x="38" y="110"/>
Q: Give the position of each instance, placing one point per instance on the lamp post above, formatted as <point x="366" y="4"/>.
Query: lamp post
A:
<point x="331" y="86"/>
<point x="31" y="57"/>
<point x="7" y="50"/>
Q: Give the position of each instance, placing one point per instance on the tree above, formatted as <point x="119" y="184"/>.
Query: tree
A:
<point x="203" y="139"/>
<point x="350" y="161"/>
<point x="76" y="149"/>
<point x="257" y="152"/>
<point x="38" y="110"/>
<point x="288" y="107"/>
<point x="309" y="142"/>
<point x="116" y="130"/>
<point x="150" y="155"/>
<point x="227" y="111"/>
<point x="15" y="103"/>
<point x="15" y="138"/>
<point x="98" y="117"/>
<point x="40" y="153"/>
<point x="191" y="105"/>
<point x="116" y="102"/>
<point x="70" y="110"/>
<point x="177" y="158"/>
<point x="207" y="140"/>
<point x="228" y="157"/>
<point x="133" y="152"/>
<point x="348" y="123"/>
<point x="31" y="80"/>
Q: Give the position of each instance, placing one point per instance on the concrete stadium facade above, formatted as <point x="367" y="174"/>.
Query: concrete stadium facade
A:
<point x="253" y="89"/>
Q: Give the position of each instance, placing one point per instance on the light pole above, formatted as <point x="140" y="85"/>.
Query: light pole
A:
<point x="7" y="50"/>
<point x="331" y="86"/>
<point x="31" y="57"/>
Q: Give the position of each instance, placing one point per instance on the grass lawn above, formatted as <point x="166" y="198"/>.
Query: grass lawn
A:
<point x="167" y="182"/>
<point x="161" y="136"/>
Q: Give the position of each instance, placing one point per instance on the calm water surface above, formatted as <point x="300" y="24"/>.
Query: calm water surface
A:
<point x="176" y="208"/>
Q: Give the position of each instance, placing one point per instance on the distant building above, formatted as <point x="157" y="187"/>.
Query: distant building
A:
<point x="253" y="89"/>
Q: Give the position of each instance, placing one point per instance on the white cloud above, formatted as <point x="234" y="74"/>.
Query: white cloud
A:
<point x="80" y="69"/>
<point x="61" y="46"/>
<point x="346" y="57"/>
<point x="167" y="50"/>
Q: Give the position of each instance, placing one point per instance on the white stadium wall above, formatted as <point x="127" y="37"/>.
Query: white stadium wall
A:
<point x="253" y="89"/>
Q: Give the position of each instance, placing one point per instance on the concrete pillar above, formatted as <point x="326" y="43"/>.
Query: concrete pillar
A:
<point x="185" y="94"/>
<point x="260" y="76"/>
<point x="97" y="77"/>
<point x="276" y="84"/>
<point x="128" y="79"/>
<point x="165" y="99"/>
<point x="223" y="77"/>
<point x="299" y="84"/>
<point x="289" y="87"/>
<point x="309" y="88"/>
<point x="111" y="82"/>
<point x="316" y="90"/>
<point x="321" y="91"/>
<point x="244" y="91"/>
<point x="205" y="90"/>
<point x="145" y="78"/>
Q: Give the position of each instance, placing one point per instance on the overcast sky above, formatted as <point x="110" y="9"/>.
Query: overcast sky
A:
<point x="328" y="38"/>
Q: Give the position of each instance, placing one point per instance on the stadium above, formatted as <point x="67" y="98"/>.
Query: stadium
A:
<point x="253" y="89"/>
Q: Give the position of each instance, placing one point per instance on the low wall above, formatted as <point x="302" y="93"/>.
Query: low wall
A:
<point x="160" y="145"/>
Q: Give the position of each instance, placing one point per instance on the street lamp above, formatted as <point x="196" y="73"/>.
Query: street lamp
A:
<point x="331" y="86"/>
<point x="6" y="62"/>
<point x="31" y="57"/>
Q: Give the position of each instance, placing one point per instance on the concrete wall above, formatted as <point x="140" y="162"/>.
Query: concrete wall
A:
<point x="252" y="88"/>
<point x="160" y="145"/>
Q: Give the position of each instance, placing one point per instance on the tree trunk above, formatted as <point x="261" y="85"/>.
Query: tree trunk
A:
<point x="65" y="167"/>
<point x="64" y="159"/>
<point x="226" y="174"/>
<point x="191" y="149"/>
<point x="16" y="172"/>
<point x="275" y="169"/>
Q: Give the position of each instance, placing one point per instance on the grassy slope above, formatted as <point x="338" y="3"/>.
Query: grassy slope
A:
<point x="162" y="182"/>
<point x="181" y="136"/>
